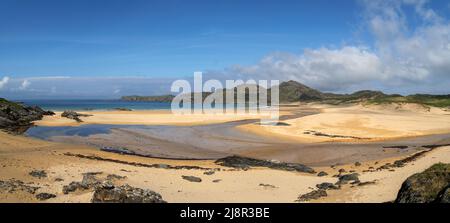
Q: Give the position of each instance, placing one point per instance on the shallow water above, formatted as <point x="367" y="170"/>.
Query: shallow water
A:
<point x="220" y="140"/>
<point x="61" y="105"/>
<point x="47" y="132"/>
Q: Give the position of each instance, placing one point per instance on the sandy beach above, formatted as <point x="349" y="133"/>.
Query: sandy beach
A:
<point x="65" y="162"/>
<point x="147" y="117"/>
<point x="20" y="155"/>
<point x="366" y="122"/>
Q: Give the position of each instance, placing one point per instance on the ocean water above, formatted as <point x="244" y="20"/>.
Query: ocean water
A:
<point x="80" y="105"/>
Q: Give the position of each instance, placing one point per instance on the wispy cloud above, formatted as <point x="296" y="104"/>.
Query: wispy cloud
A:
<point x="25" y="84"/>
<point x="3" y="82"/>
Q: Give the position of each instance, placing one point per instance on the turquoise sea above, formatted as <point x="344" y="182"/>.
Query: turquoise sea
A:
<point x="79" y="105"/>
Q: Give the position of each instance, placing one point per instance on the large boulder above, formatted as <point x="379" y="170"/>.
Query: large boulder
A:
<point x="432" y="185"/>
<point x="109" y="193"/>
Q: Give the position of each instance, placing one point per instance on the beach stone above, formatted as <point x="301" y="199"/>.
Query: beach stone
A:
<point x="327" y="186"/>
<point x="44" y="196"/>
<point x="112" y="177"/>
<point x="38" y="173"/>
<point x="357" y="164"/>
<point x="313" y="195"/>
<point x="428" y="186"/>
<point x="342" y="170"/>
<point x="267" y="185"/>
<point x="216" y="180"/>
<point x="72" y="187"/>
<point x="192" y="179"/>
<point x="348" y="177"/>
<point x="366" y="183"/>
<point x="211" y="172"/>
<point x="109" y="193"/>
<point x="322" y="173"/>
<point x="13" y="185"/>
<point x="89" y="181"/>
<point x="245" y="163"/>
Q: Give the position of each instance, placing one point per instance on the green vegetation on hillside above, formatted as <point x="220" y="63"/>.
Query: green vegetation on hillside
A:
<point x="425" y="99"/>
<point x="292" y="91"/>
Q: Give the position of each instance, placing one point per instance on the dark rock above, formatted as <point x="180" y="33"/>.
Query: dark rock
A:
<point x="44" y="196"/>
<point x="109" y="193"/>
<point x="112" y="177"/>
<point x="209" y="172"/>
<point x="395" y="147"/>
<point x="73" y="115"/>
<point x="72" y="187"/>
<point x="244" y="162"/>
<point x="216" y="180"/>
<point x="327" y="186"/>
<point x="89" y="181"/>
<point x="444" y="196"/>
<point x="322" y="173"/>
<point x="315" y="194"/>
<point x="13" y="185"/>
<point x="348" y="177"/>
<point x="342" y="171"/>
<point x="357" y="164"/>
<point x="192" y="179"/>
<point x="59" y="179"/>
<point x="38" y="173"/>
<point x="267" y="186"/>
<point x="366" y="183"/>
<point x="17" y="118"/>
<point x="425" y="187"/>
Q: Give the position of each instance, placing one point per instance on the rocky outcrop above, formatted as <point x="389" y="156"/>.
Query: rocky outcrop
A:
<point x="246" y="163"/>
<point x="89" y="181"/>
<point x="44" y="196"/>
<point x="327" y="186"/>
<point x="109" y="193"/>
<point x="432" y="185"/>
<point x="353" y="177"/>
<point x="73" y="115"/>
<point x="14" y="185"/>
<point x="17" y="118"/>
<point x="313" y="195"/>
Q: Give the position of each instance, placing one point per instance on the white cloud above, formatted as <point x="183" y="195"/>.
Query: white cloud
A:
<point x="402" y="55"/>
<point x="25" y="84"/>
<point x="3" y="82"/>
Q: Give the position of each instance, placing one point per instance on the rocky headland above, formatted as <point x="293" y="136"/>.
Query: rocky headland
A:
<point x="17" y="118"/>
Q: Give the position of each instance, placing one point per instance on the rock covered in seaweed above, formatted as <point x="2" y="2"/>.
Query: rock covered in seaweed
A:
<point x="432" y="185"/>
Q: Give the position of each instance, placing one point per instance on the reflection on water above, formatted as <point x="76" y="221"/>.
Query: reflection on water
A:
<point x="46" y="132"/>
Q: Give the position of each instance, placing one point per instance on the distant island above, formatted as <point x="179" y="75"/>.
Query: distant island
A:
<point x="292" y="91"/>
<point x="160" y="98"/>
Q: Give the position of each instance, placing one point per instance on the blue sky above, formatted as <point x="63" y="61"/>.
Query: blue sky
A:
<point x="160" y="38"/>
<point x="172" y="39"/>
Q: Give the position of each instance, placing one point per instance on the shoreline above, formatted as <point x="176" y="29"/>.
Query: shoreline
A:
<point x="64" y="162"/>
